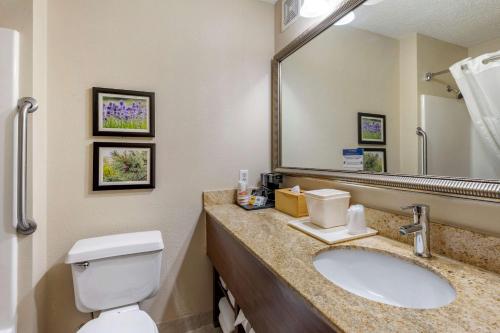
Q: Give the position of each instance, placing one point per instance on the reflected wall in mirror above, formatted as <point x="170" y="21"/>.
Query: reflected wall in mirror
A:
<point x="394" y="60"/>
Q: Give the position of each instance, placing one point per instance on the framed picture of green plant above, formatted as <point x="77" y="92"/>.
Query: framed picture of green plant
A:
<point x="374" y="159"/>
<point x="118" y="112"/>
<point x="123" y="166"/>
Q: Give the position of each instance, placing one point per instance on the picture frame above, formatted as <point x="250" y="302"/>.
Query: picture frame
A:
<point x="118" y="112"/>
<point x="371" y="129"/>
<point x="123" y="166"/>
<point x="375" y="159"/>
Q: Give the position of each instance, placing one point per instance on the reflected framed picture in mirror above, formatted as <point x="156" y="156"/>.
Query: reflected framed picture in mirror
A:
<point x="371" y="128"/>
<point x="374" y="159"/>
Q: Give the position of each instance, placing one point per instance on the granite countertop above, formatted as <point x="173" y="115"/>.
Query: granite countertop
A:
<point x="289" y="254"/>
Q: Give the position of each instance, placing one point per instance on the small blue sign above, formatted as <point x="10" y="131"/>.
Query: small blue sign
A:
<point x="353" y="159"/>
<point x="356" y="151"/>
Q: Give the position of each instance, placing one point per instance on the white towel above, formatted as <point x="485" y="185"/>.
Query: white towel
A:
<point x="243" y="321"/>
<point x="226" y="316"/>
<point x="223" y="325"/>
<point x="231" y="298"/>
<point x="222" y="283"/>
<point x="240" y="319"/>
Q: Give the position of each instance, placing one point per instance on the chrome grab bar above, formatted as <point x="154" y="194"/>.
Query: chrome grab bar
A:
<point x="421" y="132"/>
<point x="25" y="106"/>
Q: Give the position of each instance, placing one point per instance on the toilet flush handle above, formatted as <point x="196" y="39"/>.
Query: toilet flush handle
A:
<point x="83" y="265"/>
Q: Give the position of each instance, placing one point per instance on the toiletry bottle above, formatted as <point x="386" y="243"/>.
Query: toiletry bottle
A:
<point x="243" y="195"/>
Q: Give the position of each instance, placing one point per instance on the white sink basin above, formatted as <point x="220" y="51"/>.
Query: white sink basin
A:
<point x="384" y="278"/>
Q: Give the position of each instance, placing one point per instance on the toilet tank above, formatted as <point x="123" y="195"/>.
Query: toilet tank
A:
<point x="116" y="270"/>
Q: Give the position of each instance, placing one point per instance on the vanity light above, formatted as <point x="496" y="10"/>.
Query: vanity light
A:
<point x="346" y="19"/>
<point x="314" y="8"/>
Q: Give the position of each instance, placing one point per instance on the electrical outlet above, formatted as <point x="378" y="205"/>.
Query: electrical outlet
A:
<point x="244" y="176"/>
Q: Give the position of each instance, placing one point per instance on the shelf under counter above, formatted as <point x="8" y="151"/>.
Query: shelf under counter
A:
<point x="268" y="303"/>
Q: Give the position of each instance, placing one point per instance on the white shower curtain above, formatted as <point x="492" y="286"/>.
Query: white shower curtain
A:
<point x="480" y="87"/>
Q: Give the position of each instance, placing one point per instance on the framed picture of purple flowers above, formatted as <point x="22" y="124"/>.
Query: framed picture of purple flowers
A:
<point x="119" y="112"/>
<point x="371" y="128"/>
<point x="123" y="166"/>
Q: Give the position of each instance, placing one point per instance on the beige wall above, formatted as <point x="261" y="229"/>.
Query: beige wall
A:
<point x="408" y="104"/>
<point x="209" y="64"/>
<point x="319" y="111"/>
<point x="435" y="55"/>
<point x="487" y="47"/>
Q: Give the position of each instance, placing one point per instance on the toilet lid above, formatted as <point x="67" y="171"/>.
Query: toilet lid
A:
<point x="125" y="322"/>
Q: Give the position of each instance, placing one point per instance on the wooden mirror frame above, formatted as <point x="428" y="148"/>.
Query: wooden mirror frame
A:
<point x="478" y="189"/>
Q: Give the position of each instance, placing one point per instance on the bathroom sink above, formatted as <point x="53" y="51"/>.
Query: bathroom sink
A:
<point x="384" y="278"/>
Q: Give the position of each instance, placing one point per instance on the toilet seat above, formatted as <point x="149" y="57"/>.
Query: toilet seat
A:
<point x="128" y="319"/>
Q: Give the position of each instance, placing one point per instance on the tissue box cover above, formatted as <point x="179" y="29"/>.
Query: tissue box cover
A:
<point x="291" y="203"/>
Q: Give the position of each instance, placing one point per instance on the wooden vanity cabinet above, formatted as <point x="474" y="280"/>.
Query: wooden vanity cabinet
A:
<point x="268" y="302"/>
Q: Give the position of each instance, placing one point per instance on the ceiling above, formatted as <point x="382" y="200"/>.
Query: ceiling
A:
<point x="462" y="22"/>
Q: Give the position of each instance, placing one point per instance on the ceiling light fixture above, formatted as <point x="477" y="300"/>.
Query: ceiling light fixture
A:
<point x="314" y="8"/>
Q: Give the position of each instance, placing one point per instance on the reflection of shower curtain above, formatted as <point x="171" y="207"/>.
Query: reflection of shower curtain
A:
<point x="480" y="86"/>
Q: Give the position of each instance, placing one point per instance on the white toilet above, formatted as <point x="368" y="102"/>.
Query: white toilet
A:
<point x="112" y="274"/>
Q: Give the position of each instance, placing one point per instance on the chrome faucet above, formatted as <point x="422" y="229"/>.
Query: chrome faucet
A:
<point x="421" y="229"/>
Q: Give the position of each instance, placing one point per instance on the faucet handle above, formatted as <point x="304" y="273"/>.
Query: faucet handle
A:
<point x="415" y="207"/>
<point x="409" y="207"/>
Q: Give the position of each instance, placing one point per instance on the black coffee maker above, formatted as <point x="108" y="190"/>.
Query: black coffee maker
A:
<point x="269" y="183"/>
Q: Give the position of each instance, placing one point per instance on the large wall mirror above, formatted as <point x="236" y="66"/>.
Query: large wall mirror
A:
<point x="395" y="87"/>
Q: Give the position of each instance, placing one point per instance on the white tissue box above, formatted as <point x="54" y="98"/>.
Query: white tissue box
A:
<point x="327" y="207"/>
